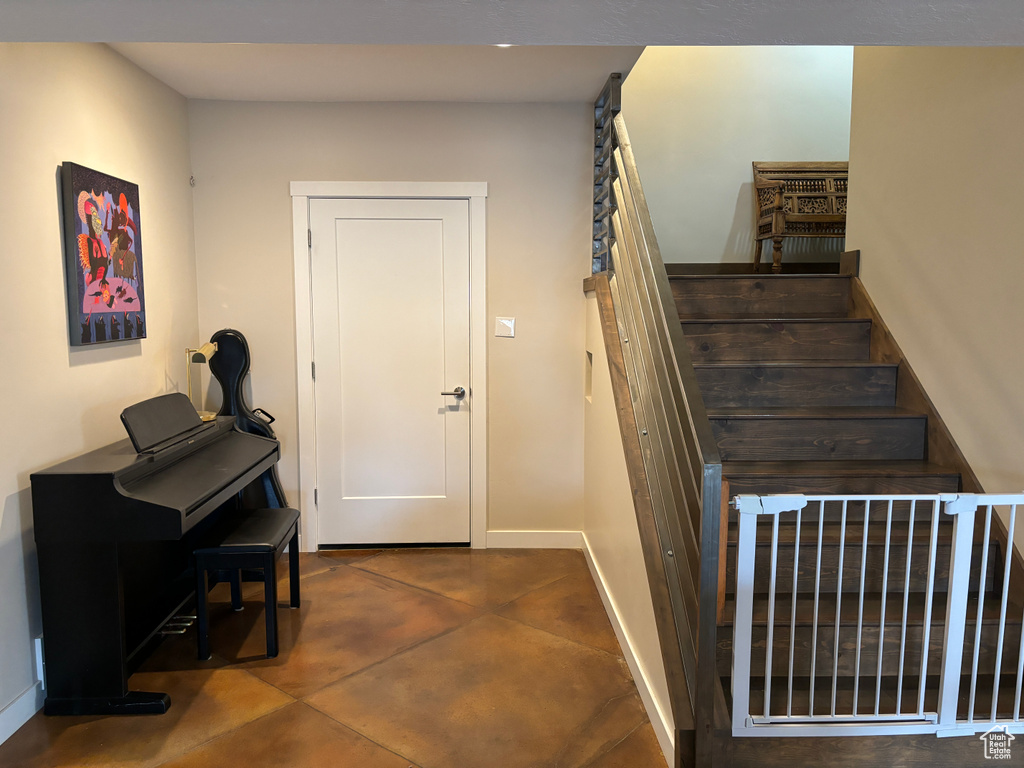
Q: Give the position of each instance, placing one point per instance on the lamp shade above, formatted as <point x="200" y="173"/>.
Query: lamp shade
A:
<point x="204" y="353"/>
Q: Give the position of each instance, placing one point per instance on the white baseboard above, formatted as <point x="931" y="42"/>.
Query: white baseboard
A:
<point x="662" y="722"/>
<point x="19" y="711"/>
<point x="534" y="540"/>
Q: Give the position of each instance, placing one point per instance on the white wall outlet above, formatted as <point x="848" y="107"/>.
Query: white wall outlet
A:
<point x="505" y="327"/>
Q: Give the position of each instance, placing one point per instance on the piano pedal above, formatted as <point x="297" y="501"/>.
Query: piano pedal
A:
<point x="178" y="625"/>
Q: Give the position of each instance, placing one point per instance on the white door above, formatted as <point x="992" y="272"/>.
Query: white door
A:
<point x="390" y="293"/>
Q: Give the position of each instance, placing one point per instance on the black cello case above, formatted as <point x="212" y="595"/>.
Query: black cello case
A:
<point x="230" y="366"/>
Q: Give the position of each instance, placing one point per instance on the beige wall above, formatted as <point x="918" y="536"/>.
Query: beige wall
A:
<point x="609" y="524"/>
<point x="699" y="116"/>
<point x="85" y="104"/>
<point x="936" y="194"/>
<point x="536" y="159"/>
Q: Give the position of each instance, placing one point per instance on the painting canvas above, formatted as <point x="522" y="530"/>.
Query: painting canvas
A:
<point x="103" y="257"/>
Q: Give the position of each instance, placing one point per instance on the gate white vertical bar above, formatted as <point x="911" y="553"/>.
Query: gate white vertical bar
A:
<point x="929" y="601"/>
<point x="860" y="604"/>
<point x="817" y="596"/>
<point x="769" y="649"/>
<point x="792" y="616"/>
<point x="1008" y="558"/>
<point x="980" y="614"/>
<point x="1020" y="656"/>
<point x="962" y="510"/>
<point x="906" y="607"/>
<point x="881" y="620"/>
<point x="747" y="508"/>
<point x="839" y="605"/>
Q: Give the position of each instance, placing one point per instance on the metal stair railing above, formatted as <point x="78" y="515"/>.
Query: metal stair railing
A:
<point x="679" y="453"/>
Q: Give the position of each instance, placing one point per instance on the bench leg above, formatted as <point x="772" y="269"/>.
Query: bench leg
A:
<point x="777" y="254"/>
<point x="202" y="614"/>
<point x="270" y="598"/>
<point x="757" y="252"/>
<point x="236" y="589"/>
<point x="293" y="568"/>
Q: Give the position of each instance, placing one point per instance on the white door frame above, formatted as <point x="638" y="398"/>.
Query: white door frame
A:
<point x="476" y="194"/>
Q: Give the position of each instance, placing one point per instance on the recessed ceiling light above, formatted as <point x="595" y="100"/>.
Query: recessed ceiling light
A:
<point x="504" y="45"/>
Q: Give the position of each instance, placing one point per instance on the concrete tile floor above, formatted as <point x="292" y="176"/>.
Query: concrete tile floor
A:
<point x="444" y="658"/>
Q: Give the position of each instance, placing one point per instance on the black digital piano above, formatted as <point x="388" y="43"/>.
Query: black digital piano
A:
<point x="114" y="530"/>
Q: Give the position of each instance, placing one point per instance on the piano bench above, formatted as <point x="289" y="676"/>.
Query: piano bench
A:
<point x="249" y="540"/>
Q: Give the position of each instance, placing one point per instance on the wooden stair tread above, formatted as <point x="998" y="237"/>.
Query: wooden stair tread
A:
<point x="855" y="468"/>
<point x="764" y="316"/>
<point x="849" y="608"/>
<point x="798" y="364"/>
<point x="774" y="319"/>
<point x="826" y="412"/>
<point x="777" y="276"/>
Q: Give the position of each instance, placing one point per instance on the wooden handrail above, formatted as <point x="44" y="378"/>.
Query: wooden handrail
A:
<point x="680" y="465"/>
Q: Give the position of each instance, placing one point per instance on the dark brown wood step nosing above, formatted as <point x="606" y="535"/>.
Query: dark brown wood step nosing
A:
<point x="765" y="317"/>
<point x="845" y="469"/>
<point x="775" y="319"/>
<point x="816" y="413"/>
<point x="795" y="364"/>
<point x="781" y="277"/>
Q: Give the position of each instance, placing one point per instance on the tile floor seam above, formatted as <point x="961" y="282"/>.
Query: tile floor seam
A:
<point x="312" y="709"/>
<point x="412" y="763"/>
<point x="396" y="654"/>
<point x="212" y="739"/>
<point x="608" y="751"/>
<point x="349" y="563"/>
<point x="563" y="637"/>
<point x="421" y="589"/>
<point x="232" y="665"/>
<point x="583" y="726"/>
<point x="537" y="589"/>
<point x="449" y="597"/>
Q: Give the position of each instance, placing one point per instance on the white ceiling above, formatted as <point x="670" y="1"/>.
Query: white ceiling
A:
<point x="525" y="22"/>
<point x="381" y="72"/>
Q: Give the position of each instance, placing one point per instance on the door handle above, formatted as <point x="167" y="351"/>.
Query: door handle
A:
<point x="458" y="393"/>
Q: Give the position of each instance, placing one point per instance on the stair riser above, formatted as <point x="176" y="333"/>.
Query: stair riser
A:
<point x="709" y="296"/>
<point x="873" y="572"/>
<point x="792" y="340"/>
<point x="766" y="387"/>
<point x="812" y="439"/>
<point x="817" y="484"/>
<point x="847" y="666"/>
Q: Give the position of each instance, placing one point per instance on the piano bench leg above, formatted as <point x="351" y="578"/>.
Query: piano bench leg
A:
<point x="202" y="613"/>
<point x="236" y="590"/>
<point x="293" y="568"/>
<point x="270" y="598"/>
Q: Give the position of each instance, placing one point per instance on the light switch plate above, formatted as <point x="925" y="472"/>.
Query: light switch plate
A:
<point x="505" y="327"/>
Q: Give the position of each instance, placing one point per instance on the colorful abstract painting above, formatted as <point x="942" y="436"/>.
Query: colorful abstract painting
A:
<point x="103" y="257"/>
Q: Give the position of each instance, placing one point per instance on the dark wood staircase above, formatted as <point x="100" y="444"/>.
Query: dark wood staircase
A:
<point x="808" y="393"/>
<point x="797" y="398"/>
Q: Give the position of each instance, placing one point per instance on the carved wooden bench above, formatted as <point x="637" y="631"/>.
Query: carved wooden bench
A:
<point x="798" y="200"/>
